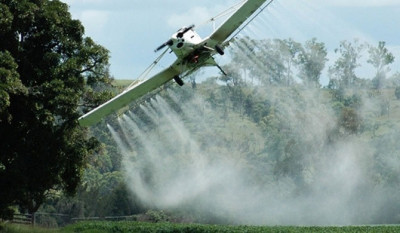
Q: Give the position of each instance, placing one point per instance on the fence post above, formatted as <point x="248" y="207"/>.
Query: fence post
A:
<point x="33" y="219"/>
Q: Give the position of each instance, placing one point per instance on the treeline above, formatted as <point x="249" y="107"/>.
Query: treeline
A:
<point x="287" y="62"/>
<point x="337" y="142"/>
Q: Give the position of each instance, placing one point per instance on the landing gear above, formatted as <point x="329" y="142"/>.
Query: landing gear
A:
<point x="219" y="50"/>
<point x="178" y="80"/>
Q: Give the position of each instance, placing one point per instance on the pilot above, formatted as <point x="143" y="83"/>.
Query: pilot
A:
<point x="195" y="59"/>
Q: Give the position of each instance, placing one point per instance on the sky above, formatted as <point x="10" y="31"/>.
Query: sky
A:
<point x="132" y="29"/>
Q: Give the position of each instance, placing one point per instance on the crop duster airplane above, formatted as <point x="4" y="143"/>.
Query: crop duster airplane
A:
<point x="192" y="53"/>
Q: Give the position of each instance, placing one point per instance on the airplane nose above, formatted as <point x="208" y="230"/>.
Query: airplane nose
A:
<point x="180" y="43"/>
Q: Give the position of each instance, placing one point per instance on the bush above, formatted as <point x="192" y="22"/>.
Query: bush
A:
<point x="397" y="92"/>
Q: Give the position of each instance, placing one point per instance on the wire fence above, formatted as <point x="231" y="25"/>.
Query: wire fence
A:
<point x="42" y="219"/>
<point x="22" y="219"/>
<point x="53" y="220"/>
<point x="111" y="218"/>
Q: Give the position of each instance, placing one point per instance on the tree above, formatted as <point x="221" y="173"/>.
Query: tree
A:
<point x="349" y="121"/>
<point x="243" y="56"/>
<point x="45" y="64"/>
<point x="269" y="61"/>
<point x="380" y="58"/>
<point x="311" y="61"/>
<point x="342" y="73"/>
<point x="272" y="70"/>
<point x="289" y="50"/>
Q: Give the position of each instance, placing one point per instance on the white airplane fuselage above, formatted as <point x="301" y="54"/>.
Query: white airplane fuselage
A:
<point x="183" y="46"/>
<point x="192" y="51"/>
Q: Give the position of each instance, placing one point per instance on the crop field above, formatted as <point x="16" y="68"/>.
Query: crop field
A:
<point x="125" y="227"/>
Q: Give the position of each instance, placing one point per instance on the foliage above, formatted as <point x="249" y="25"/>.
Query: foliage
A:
<point x="122" y="227"/>
<point x="397" y="92"/>
<point x="342" y="73"/>
<point x="349" y="120"/>
<point x="312" y="59"/>
<point x="272" y="62"/>
<point x="9" y="83"/>
<point x="157" y="216"/>
<point x="45" y="65"/>
<point x="10" y="228"/>
<point x="380" y="59"/>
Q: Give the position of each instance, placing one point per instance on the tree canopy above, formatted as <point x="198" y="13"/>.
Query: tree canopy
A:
<point x="48" y="71"/>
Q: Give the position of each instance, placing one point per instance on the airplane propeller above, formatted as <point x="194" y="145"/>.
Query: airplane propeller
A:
<point x="184" y="30"/>
<point x="180" y="34"/>
<point x="169" y="43"/>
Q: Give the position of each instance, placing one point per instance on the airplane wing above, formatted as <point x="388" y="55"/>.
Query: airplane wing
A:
<point x="220" y="35"/>
<point x="128" y="96"/>
<point x="237" y="19"/>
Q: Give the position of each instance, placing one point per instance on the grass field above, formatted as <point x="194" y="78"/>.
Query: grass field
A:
<point x="122" y="82"/>
<point x="125" y="227"/>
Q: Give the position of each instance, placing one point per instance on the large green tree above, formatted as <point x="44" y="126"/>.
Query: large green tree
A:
<point x="48" y="69"/>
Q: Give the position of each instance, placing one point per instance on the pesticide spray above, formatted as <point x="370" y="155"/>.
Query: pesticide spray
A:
<point x="183" y="151"/>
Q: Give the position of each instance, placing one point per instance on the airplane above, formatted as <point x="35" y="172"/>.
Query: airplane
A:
<point x="192" y="53"/>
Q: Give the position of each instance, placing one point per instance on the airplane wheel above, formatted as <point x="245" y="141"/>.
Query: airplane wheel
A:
<point x="219" y="50"/>
<point x="178" y="80"/>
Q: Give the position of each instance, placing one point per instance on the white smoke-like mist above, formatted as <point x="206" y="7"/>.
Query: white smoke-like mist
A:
<point x="168" y="166"/>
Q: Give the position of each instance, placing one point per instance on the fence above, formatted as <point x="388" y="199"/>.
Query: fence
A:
<point x="51" y="219"/>
<point x="114" y="218"/>
<point x="59" y="220"/>
<point x="42" y="219"/>
<point x="22" y="219"/>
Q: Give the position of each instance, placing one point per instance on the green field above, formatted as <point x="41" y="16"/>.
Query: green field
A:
<point x="125" y="227"/>
<point x="122" y="83"/>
